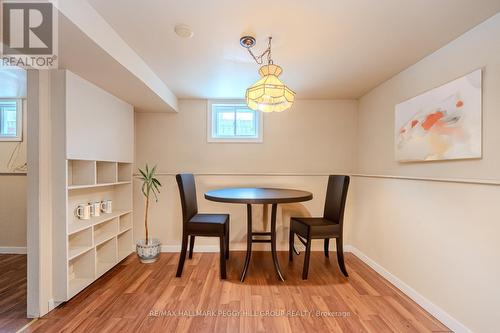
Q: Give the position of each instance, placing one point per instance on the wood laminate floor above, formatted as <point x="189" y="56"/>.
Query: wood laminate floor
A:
<point x="12" y="292"/>
<point x="136" y="297"/>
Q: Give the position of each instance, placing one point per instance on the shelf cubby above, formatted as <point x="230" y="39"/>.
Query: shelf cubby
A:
<point x="119" y="195"/>
<point x="79" y="243"/>
<point x="106" y="172"/>
<point x="84" y="224"/>
<point x="81" y="172"/>
<point x="106" y="230"/>
<point x="125" y="244"/>
<point x="81" y="272"/>
<point x="125" y="222"/>
<point x="106" y="256"/>
<point x="124" y="172"/>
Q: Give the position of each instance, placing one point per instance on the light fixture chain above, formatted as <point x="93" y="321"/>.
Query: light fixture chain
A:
<point x="269" y="59"/>
<point x="260" y="59"/>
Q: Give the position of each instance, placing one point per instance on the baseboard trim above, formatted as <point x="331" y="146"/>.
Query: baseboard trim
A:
<point x="317" y="246"/>
<point x="430" y="307"/>
<point x="13" y="250"/>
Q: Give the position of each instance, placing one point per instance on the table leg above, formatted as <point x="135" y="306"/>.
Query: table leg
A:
<point x="273" y="242"/>
<point x="249" y="242"/>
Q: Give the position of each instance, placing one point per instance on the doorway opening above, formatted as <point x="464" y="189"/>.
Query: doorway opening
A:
<point x="13" y="199"/>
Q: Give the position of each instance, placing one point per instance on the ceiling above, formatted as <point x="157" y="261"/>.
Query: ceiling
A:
<point x="80" y="54"/>
<point x="327" y="48"/>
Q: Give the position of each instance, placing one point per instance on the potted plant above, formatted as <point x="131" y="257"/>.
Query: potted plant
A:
<point x="148" y="249"/>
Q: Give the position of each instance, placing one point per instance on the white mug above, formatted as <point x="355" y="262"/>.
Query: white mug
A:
<point x="107" y="206"/>
<point x="95" y="208"/>
<point x="83" y="212"/>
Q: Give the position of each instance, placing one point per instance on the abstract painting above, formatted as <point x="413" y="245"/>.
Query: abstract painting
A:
<point x="441" y="124"/>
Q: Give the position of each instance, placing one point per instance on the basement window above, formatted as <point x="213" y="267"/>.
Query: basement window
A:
<point x="233" y="122"/>
<point x="11" y="119"/>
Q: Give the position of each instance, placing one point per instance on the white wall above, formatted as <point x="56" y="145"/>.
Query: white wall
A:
<point x="440" y="238"/>
<point x="308" y="142"/>
<point x="477" y="48"/>
<point x="98" y="123"/>
<point x="39" y="204"/>
<point x="13" y="85"/>
<point x="13" y="195"/>
<point x="13" y="220"/>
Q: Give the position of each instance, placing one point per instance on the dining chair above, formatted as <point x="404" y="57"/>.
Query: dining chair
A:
<point x="326" y="227"/>
<point x="196" y="224"/>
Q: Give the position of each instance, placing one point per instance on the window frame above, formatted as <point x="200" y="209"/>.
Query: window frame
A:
<point x="242" y="139"/>
<point x="19" y="122"/>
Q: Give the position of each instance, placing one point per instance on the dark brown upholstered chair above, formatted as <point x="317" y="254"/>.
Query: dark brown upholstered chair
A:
<point x="194" y="224"/>
<point x="326" y="227"/>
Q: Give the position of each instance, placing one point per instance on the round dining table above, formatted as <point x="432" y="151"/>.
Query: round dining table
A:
<point x="265" y="196"/>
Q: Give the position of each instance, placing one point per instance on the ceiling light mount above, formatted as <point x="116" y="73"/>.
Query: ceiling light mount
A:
<point x="247" y="41"/>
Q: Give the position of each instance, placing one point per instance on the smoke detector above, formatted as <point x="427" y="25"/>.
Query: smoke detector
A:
<point x="183" y="31"/>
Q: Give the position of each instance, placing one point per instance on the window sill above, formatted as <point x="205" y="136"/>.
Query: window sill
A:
<point x="234" y="140"/>
<point x="10" y="139"/>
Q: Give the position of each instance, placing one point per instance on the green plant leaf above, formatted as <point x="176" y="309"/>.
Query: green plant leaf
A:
<point x="150" y="184"/>
<point x="155" y="189"/>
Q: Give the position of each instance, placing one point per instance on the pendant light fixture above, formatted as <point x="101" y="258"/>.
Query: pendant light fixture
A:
<point x="269" y="94"/>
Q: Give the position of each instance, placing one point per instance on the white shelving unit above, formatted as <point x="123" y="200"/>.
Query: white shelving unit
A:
<point x="96" y="245"/>
<point x="92" y="149"/>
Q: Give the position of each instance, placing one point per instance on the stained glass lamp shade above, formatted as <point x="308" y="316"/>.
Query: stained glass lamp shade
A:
<point x="269" y="94"/>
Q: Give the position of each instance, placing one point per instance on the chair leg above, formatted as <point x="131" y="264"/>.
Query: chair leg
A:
<point x="227" y="241"/>
<point x="182" y="257"/>
<point x="191" y="246"/>
<point x="305" y="270"/>
<point x="290" y="245"/>
<point x="222" y="257"/>
<point x="327" y="247"/>
<point x="340" y="256"/>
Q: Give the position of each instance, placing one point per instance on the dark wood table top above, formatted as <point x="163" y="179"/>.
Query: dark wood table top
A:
<point x="255" y="195"/>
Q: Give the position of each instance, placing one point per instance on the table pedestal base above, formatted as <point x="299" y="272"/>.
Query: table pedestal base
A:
<point x="251" y="239"/>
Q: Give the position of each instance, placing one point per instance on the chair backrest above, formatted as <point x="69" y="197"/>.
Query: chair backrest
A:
<point x="336" y="195"/>
<point x="187" y="190"/>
